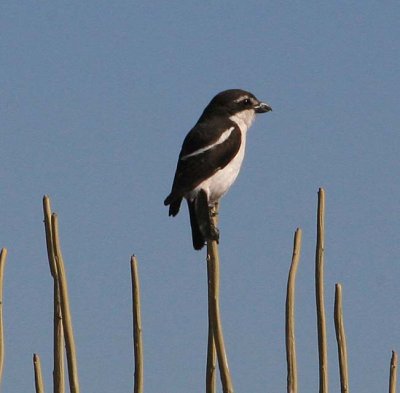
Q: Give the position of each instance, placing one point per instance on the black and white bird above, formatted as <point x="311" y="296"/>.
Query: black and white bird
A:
<point x="210" y="159"/>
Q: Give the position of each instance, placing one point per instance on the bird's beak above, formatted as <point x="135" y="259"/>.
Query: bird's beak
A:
<point x="262" y="107"/>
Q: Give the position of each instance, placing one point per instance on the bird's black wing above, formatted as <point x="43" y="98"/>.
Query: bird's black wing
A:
<point x="203" y="153"/>
<point x="204" y="134"/>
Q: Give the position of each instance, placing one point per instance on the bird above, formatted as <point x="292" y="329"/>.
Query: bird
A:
<point x="210" y="159"/>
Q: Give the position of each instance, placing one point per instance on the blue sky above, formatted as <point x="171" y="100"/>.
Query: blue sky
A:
<point x="96" y="99"/>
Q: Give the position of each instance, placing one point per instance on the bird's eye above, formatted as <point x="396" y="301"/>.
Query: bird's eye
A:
<point x="246" y="102"/>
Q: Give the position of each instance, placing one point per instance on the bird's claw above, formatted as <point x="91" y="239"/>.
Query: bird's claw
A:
<point x="213" y="233"/>
<point x="213" y="210"/>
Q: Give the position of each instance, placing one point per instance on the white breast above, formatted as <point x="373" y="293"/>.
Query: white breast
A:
<point x="218" y="184"/>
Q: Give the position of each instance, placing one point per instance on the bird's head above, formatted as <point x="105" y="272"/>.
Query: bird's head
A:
<point x="233" y="101"/>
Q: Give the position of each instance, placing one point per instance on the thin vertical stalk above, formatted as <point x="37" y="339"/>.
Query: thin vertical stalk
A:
<point x="39" y="386"/>
<point x="211" y="351"/>
<point x="65" y="310"/>
<point x="137" y="327"/>
<point x="319" y="292"/>
<point x="341" y="340"/>
<point x="393" y="373"/>
<point x="3" y="257"/>
<point x="58" y="334"/>
<point x="291" y="358"/>
<point x="58" y="341"/>
<point x="49" y="236"/>
<point x="216" y="324"/>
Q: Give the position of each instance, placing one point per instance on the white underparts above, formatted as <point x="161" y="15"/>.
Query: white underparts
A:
<point x="244" y="119"/>
<point x="218" y="184"/>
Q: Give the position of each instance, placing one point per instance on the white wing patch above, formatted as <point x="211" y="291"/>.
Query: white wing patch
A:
<point x="224" y="136"/>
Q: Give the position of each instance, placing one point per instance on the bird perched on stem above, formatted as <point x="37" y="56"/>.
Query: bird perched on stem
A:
<point x="210" y="159"/>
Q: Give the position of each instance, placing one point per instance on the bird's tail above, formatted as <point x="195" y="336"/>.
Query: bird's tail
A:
<point x="197" y="236"/>
<point x="174" y="204"/>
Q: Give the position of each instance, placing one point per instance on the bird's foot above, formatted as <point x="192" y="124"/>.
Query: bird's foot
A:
<point x="213" y="210"/>
<point x="213" y="233"/>
<point x="210" y="231"/>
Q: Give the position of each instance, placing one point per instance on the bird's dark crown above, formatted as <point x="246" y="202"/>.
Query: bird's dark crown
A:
<point x="230" y="102"/>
